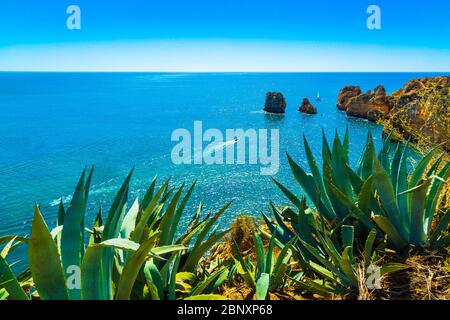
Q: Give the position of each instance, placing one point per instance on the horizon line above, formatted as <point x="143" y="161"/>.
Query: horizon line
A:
<point x="218" y="71"/>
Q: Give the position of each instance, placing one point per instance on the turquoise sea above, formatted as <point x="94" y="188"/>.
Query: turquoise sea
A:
<point x="53" y="124"/>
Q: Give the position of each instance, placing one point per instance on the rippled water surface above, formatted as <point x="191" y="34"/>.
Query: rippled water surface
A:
<point x="53" y="124"/>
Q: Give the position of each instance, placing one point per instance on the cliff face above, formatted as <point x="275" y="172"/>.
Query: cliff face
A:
<point x="419" y="111"/>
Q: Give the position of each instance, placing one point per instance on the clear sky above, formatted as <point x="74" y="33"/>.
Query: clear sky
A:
<point x="225" y="35"/>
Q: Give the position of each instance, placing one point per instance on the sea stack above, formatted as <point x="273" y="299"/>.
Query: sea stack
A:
<point x="275" y="103"/>
<point x="307" y="107"/>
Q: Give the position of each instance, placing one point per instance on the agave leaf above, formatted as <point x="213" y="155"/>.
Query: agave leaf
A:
<point x="348" y="237"/>
<point x="346" y="145"/>
<point x="148" y="212"/>
<point x="9" y="281"/>
<point x="72" y="242"/>
<point x="320" y="257"/>
<point x="242" y="268"/>
<point x="418" y="202"/>
<point x="216" y="281"/>
<point x="326" y="152"/>
<point x="96" y="236"/>
<point x="366" y="195"/>
<point x="303" y="179"/>
<point x="292" y="197"/>
<point x="45" y="263"/>
<point x="388" y="197"/>
<point x="149" y="194"/>
<point x="116" y="212"/>
<point x="259" y="251"/>
<point x="61" y="214"/>
<point x="316" y="175"/>
<point x="384" y="155"/>
<point x="262" y="286"/>
<point x="131" y="269"/>
<point x="169" y="218"/>
<point x="433" y="196"/>
<point x="338" y="164"/>
<point x="315" y="287"/>
<point x="308" y="186"/>
<point x="355" y="180"/>
<point x="341" y="209"/>
<point x="210" y="283"/>
<point x="111" y="231"/>
<point x="387" y="227"/>
<point x="275" y="228"/>
<point x="179" y="211"/>
<point x="16" y="238"/>
<point x="366" y="163"/>
<point x="443" y="225"/>
<point x="400" y="186"/>
<point x="347" y="267"/>
<point x="443" y="242"/>
<point x="351" y="208"/>
<point x="186" y="276"/>
<point x="286" y="232"/>
<point x="392" y="267"/>
<point x="154" y="280"/>
<point x="324" y="272"/>
<point x="93" y="286"/>
<point x="129" y="221"/>
<point x="199" y="251"/>
<point x="368" y="247"/>
<point x="7" y="248"/>
<point x="202" y="235"/>
<point x="421" y="167"/>
<point x="173" y="277"/>
<point x="269" y="255"/>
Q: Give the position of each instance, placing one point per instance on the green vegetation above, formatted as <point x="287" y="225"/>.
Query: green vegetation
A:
<point x="354" y="227"/>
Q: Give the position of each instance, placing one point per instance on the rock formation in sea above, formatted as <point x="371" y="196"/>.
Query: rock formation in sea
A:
<point x="346" y="94"/>
<point x="307" y="107"/>
<point x="370" y="105"/>
<point x="275" y="102"/>
<point x="419" y="111"/>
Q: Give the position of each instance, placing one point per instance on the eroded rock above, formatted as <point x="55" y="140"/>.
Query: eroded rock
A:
<point x="307" y="107"/>
<point x="275" y="102"/>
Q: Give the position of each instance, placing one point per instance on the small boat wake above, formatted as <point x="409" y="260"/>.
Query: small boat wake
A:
<point x="224" y="145"/>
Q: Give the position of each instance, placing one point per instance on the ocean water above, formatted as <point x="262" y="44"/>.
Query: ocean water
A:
<point x="53" y="124"/>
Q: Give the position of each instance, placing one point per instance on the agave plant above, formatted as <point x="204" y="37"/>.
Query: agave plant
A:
<point x="270" y="272"/>
<point x="329" y="256"/>
<point x="353" y="209"/>
<point x="409" y="200"/>
<point x="137" y="253"/>
<point x="382" y="193"/>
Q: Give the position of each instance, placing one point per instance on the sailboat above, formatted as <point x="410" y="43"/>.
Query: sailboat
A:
<point x="318" y="96"/>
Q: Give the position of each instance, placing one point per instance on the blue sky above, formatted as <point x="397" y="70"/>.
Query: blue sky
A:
<point x="225" y="35"/>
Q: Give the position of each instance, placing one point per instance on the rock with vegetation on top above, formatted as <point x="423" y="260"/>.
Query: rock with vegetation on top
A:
<point x="307" y="107"/>
<point x="419" y="111"/>
<point x="370" y="105"/>
<point x="275" y="102"/>
<point x="346" y="94"/>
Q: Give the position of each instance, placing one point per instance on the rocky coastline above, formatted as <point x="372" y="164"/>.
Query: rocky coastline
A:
<point x="419" y="111"/>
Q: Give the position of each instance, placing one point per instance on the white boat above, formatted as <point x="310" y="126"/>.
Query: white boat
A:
<point x="318" y="96"/>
